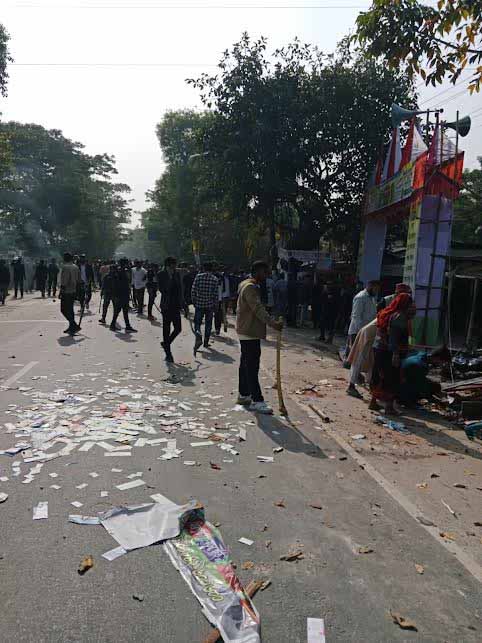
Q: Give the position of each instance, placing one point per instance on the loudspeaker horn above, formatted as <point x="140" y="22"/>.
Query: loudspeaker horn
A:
<point x="400" y="114"/>
<point x="462" y="126"/>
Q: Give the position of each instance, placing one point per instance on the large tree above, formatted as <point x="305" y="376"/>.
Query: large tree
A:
<point x="298" y="129"/>
<point x="55" y="196"/>
<point x="432" y="42"/>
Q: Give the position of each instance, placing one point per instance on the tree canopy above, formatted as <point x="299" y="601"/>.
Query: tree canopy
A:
<point x="4" y="59"/>
<point x="54" y="196"/>
<point x="467" y="226"/>
<point x="431" y="42"/>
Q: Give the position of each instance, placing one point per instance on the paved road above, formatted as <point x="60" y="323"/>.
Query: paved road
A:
<point x="44" y="599"/>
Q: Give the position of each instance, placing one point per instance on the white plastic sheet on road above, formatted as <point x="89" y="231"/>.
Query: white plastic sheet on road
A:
<point x="143" y="525"/>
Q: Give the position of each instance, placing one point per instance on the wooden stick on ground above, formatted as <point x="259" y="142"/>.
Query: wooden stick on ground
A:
<point x="282" y="407"/>
<point x="251" y="588"/>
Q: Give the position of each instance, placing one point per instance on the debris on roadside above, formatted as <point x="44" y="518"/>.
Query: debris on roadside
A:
<point x="365" y="550"/>
<point x="41" y="511"/>
<point x="419" y="568"/>
<point x="297" y="555"/>
<point x="138" y="597"/>
<point x="85" y="564"/>
<point x="315" y="505"/>
<point x="402" y="622"/>
<point x="3" y="496"/>
<point x="315" y="630"/>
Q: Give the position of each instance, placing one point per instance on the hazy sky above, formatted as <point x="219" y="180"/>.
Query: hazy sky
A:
<point x="104" y="71"/>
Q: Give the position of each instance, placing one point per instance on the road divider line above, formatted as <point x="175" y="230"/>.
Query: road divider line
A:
<point x="18" y="375"/>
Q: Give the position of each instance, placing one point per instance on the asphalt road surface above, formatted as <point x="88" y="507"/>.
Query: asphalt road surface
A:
<point x="42" y="596"/>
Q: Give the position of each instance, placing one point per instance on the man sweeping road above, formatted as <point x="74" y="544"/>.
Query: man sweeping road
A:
<point x="251" y="321"/>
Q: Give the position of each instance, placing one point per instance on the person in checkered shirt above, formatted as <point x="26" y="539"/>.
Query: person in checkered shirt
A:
<point x="204" y="295"/>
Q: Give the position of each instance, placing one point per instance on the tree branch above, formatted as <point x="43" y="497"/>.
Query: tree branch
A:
<point x="452" y="46"/>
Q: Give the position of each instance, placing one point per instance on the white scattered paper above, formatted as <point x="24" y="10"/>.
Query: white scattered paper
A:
<point x="117" y="453"/>
<point x="82" y="486"/>
<point x="263" y="458"/>
<point x="112" y="554"/>
<point x="3" y="496"/>
<point x="242" y="435"/>
<point x="246" y="541"/>
<point x="76" y="504"/>
<point x="130" y="485"/>
<point x="189" y="463"/>
<point x="104" y="494"/>
<point x="41" y="511"/>
<point x="315" y="630"/>
<point x="158" y="497"/>
<point x="55" y="486"/>
<point x="207" y="443"/>
<point x="93" y="474"/>
<point x="87" y="446"/>
<point x="84" y="520"/>
<point x="138" y="474"/>
<point x="116" y="470"/>
<point x="54" y="475"/>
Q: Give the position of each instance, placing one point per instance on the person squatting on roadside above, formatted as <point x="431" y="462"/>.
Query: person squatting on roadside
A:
<point x="251" y="321"/>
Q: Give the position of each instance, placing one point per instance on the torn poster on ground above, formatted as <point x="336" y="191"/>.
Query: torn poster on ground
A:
<point x="201" y="557"/>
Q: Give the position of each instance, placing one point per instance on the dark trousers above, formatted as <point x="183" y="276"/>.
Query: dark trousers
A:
<point x="327" y="327"/>
<point x="121" y="304"/>
<point x="41" y="284"/>
<point x="106" y="299"/>
<point x="150" y="302"/>
<point x="139" y="299"/>
<point x="18" y="284"/>
<point x="218" y="318"/>
<point x="67" y="309"/>
<point x="3" y="292"/>
<point x="52" y="285"/>
<point x="249" y="369"/>
<point x="206" y="314"/>
<point x="170" y="317"/>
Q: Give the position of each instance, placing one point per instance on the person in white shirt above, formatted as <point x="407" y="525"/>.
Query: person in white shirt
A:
<point x="139" y="278"/>
<point x="364" y="310"/>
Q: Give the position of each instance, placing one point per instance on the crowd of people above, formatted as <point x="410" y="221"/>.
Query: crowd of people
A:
<point x="378" y="329"/>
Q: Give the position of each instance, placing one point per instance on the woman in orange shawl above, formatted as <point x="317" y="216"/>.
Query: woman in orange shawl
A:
<point x="391" y="343"/>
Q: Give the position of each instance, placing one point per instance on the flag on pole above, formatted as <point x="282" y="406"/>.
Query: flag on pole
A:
<point x="394" y="156"/>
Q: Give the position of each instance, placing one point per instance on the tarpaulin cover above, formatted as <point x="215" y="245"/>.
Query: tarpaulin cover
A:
<point x="203" y="560"/>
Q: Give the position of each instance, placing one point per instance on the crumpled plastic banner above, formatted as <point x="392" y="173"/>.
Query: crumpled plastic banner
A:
<point x="203" y="560"/>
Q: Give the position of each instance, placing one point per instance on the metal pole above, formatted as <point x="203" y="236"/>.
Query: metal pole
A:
<point x="470" y="330"/>
<point x="427" y="129"/>
<point x="432" y="260"/>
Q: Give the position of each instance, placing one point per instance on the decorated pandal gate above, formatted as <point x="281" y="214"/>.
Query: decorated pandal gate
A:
<point x="418" y="182"/>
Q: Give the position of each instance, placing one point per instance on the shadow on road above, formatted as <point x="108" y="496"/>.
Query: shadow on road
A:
<point x="182" y="374"/>
<point x="288" y="436"/>
<point x="126" y="337"/>
<point x="212" y="355"/>
<point x="68" y="340"/>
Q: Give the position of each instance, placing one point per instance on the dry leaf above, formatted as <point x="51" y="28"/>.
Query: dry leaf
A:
<point x="434" y="475"/>
<point x="365" y="550"/>
<point x="404" y="623"/>
<point x="315" y="505"/>
<point x="420" y="568"/>
<point x="459" y="485"/>
<point x="215" y="466"/>
<point x="247" y="565"/>
<point x="280" y="503"/>
<point x="422" y="485"/>
<point x="298" y="555"/>
<point x="265" y="585"/>
<point x="447" y="536"/>
<point x="267" y="544"/>
<point x="86" y="564"/>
